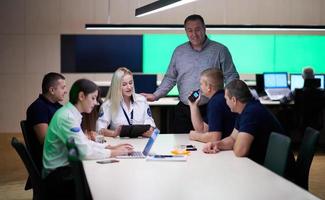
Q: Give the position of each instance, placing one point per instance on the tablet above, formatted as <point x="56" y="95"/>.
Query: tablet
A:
<point x="134" y="130"/>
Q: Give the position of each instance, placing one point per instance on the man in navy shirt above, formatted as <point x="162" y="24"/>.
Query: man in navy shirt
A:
<point x="41" y="111"/>
<point x="252" y="128"/>
<point x="220" y="120"/>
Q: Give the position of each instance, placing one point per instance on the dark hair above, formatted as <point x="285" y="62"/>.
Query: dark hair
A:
<point x="193" y="18"/>
<point x="82" y="85"/>
<point x="50" y="80"/>
<point x="238" y="89"/>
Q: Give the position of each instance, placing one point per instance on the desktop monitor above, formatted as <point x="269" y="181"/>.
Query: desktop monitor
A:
<point x="275" y="79"/>
<point x="145" y="83"/>
<point x="296" y="81"/>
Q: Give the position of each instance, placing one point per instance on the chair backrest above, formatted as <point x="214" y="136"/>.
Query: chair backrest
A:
<point x="33" y="171"/>
<point x="277" y="153"/>
<point x="305" y="156"/>
<point x="80" y="180"/>
<point x="309" y="104"/>
<point x="33" y="146"/>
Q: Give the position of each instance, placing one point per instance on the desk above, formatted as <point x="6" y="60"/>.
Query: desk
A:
<point x="172" y="101"/>
<point x="203" y="176"/>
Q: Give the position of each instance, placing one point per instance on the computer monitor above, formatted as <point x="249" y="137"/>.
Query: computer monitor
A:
<point x="275" y="79"/>
<point x="145" y="83"/>
<point x="296" y="81"/>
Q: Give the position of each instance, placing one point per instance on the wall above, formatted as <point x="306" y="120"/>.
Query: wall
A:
<point x="30" y="35"/>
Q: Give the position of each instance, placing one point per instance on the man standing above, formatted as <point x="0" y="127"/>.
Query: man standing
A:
<point x="188" y="61"/>
<point x="220" y="120"/>
<point x="41" y="111"/>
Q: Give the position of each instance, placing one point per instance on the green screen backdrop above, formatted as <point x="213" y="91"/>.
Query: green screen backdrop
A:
<point x="251" y="53"/>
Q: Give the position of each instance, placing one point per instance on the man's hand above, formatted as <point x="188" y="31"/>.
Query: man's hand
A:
<point x="149" y="97"/>
<point x="211" y="147"/>
<point x="193" y="135"/>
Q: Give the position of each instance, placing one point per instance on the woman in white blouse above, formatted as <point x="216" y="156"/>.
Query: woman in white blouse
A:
<point x="123" y="106"/>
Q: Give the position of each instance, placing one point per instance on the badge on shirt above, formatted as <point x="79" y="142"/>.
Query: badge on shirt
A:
<point x="75" y="129"/>
<point x="101" y="112"/>
<point x="149" y="112"/>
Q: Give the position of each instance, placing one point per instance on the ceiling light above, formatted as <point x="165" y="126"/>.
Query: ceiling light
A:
<point x="158" y="6"/>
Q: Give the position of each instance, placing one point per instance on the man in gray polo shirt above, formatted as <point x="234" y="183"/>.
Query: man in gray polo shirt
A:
<point x="186" y="65"/>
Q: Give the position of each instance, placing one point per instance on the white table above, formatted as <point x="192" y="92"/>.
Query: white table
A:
<point x="202" y="176"/>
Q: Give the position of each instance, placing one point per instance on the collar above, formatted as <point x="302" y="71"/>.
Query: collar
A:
<point x="41" y="96"/>
<point x="205" y="44"/>
<point x="74" y="110"/>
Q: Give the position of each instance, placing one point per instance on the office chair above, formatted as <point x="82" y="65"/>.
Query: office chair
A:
<point x="33" y="146"/>
<point x="305" y="156"/>
<point x="34" y="173"/>
<point x="277" y="153"/>
<point x="82" y="190"/>
<point x="309" y="105"/>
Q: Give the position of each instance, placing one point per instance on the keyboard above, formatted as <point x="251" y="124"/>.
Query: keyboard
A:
<point x="277" y="93"/>
<point x="135" y="154"/>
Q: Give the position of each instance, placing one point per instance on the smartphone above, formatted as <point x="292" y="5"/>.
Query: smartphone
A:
<point x="107" y="161"/>
<point x="195" y="94"/>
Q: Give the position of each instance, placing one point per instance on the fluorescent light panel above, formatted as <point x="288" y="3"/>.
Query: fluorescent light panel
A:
<point x="158" y="6"/>
<point x="171" y="27"/>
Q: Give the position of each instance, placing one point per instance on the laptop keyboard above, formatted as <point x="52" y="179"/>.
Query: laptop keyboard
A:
<point x="136" y="154"/>
<point x="277" y="93"/>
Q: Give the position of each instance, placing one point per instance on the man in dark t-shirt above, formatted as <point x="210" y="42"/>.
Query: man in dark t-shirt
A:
<point x="41" y="111"/>
<point x="252" y="128"/>
<point x="220" y="121"/>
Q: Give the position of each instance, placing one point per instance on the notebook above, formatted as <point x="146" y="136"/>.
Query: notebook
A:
<point x="134" y="130"/>
<point x="276" y="85"/>
<point x="297" y="82"/>
<point x="146" y="150"/>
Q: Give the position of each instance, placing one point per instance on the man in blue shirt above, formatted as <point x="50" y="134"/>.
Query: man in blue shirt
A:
<point x="41" y="111"/>
<point x="252" y="128"/>
<point x="220" y="120"/>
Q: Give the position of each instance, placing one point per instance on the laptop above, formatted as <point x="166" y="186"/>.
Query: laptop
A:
<point x="276" y="85"/>
<point x="297" y="82"/>
<point x="134" y="130"/>
<point x="146" y="150"/>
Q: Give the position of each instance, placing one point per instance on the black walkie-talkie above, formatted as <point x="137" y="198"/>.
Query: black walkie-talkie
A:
<point x="195" y="94"/>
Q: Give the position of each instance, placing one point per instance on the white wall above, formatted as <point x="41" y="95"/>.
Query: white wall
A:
<point x="30" y="35"/>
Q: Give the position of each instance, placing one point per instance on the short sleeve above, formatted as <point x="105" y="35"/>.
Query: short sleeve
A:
<point x="104" y="117"/>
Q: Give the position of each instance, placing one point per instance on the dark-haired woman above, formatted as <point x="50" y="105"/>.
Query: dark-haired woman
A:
<point x="65" y="124"/>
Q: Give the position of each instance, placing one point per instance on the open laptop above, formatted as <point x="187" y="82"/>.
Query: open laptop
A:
<point x="276" y="85"/>
<point x="147" y="148"/>
<point x="297" y="82"/>
<point x="134" y="130"/>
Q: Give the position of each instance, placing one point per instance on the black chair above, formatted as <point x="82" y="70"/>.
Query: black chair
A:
<point x="277" y="153"/>
<point x="309" y="105"/>
<point x="305" y="157"/>
<point x="78" y="173"/>
<point x="34" y="173"/>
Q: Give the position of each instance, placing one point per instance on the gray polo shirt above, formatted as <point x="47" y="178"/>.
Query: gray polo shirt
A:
<point x="187" y="64"/>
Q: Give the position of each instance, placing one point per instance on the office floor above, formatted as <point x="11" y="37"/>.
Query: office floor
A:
<point x="13" y="174"/>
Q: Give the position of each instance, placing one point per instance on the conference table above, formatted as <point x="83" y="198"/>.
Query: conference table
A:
<point x="202" y="176"/>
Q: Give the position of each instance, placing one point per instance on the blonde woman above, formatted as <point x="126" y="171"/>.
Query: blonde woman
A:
<point x="123" y="106"/>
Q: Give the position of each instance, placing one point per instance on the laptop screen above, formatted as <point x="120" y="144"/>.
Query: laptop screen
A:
<point x="150" y="142"/>
<point x="296" y="81"/>
<point x="275" y="80"/>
